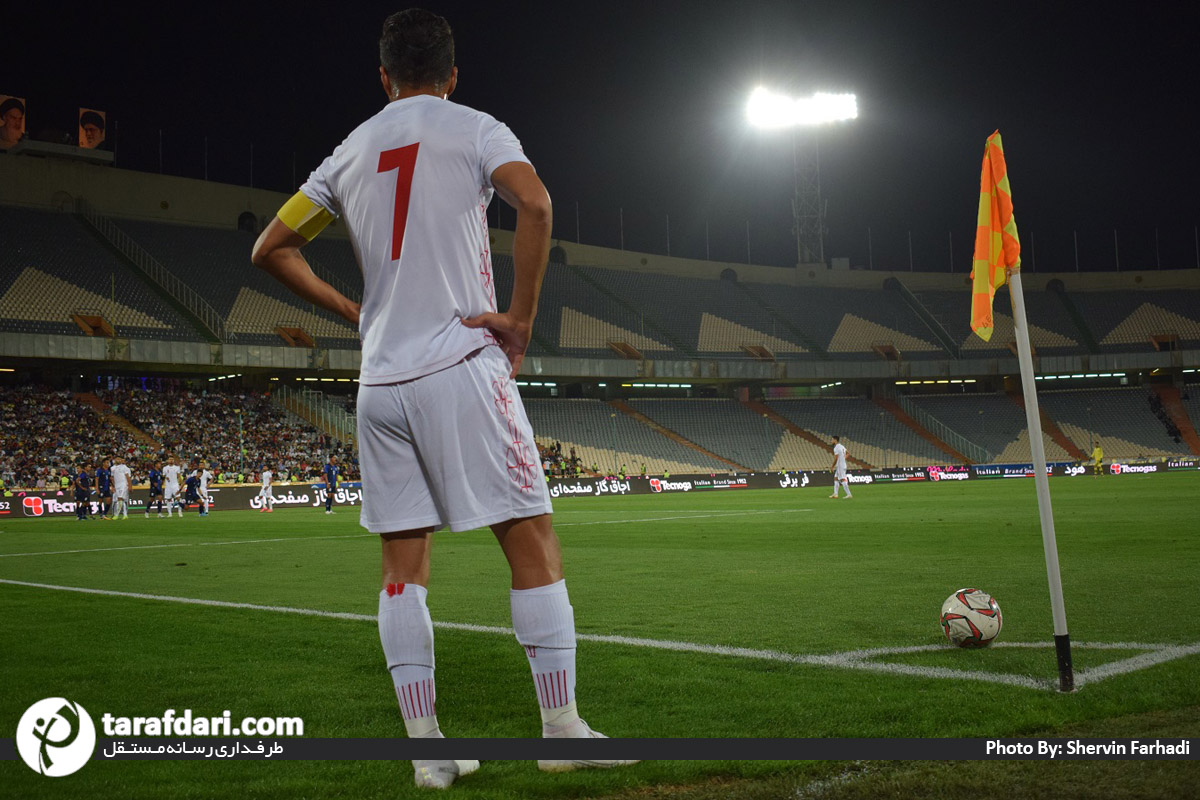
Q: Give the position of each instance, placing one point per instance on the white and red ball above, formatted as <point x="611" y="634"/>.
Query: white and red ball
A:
<point x="971" y="618"/>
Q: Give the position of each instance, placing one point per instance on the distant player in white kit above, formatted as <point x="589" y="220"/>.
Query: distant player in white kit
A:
<point x="205" y="475"/>
<point x="121" y="477"/>
<point x="171" y="486"/>
<point x="839" y="468"/>
<point x="266" y="494"/>
<point x="443" y="436"/>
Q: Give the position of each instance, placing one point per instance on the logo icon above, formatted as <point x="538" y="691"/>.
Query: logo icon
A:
<point x="55" y="737"/>
<point x="33" y="506"/>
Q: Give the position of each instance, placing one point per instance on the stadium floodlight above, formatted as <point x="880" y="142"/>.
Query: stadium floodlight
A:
<point x="767" y="109"/>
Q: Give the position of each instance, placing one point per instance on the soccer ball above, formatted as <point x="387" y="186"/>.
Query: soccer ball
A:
<point x="971" y="618"/>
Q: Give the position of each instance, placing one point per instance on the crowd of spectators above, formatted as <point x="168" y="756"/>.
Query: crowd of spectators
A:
<point x="237" y="431"/>
<point x="45" y="434"/>
<point x="557" y="465"/>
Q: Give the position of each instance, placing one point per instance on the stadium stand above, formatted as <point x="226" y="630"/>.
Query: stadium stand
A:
<point x="992" y="421"/>
<point x="1190" y="397"/>
<point x="868" y="431"/>
<point x="713" y="318"/>
<point x="723" y="427"/>
<point x="591" y="426"/>
<point x="52" y="268"/>
<point x="850" y="323"/>
<point x="216" y="263"/>
<point x="1051" y="331"/>
<point x="1122" y="419"/>
<point x="1128" y="321"/>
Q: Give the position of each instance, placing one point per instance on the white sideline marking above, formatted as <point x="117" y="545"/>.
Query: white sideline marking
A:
<point x="851" y="659"/>
<point x="361" y="535"/>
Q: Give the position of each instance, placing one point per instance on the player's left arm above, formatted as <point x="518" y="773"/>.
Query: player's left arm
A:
<point x="277" y="251"/>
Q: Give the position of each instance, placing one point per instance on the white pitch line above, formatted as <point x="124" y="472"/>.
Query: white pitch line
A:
<point x="1157" y="656"/>
<point x="362" y="535"/>
<point x="853" y="659"/>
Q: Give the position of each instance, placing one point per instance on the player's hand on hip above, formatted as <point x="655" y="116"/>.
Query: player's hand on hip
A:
<point x="512" y="334"/>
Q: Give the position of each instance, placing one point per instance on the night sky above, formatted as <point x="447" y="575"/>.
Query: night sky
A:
<point x="640" y="107"/>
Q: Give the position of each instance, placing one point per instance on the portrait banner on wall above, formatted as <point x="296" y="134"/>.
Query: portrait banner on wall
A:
<point x="12" y="120"/>
<point x="92" y="126"/>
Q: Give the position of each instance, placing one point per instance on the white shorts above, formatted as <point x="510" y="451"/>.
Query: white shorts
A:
<point x="453" y="448"/>
<point x="170" y="492"/>
<point x="839" y="474"/>
<point x="121" y="494"/>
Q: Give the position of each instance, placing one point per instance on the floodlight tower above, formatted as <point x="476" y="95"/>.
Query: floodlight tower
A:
<point x="771" y="111"/>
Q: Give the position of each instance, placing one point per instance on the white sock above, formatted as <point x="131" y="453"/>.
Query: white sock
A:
<point x="545" y="626"/>
<point x="204" y="502"/>
<point x="406" y="633"/>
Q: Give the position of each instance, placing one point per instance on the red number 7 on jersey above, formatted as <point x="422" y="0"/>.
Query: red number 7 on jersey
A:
<point x="404" y="161"/>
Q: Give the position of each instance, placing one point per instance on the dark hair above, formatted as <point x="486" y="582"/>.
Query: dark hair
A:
<point x="10" y="104"/>
<point x="417" y="48"/>
<point x="93" y="118"/>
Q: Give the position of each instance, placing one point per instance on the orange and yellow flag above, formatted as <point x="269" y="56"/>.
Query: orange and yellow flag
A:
<point x="997" y="248"/>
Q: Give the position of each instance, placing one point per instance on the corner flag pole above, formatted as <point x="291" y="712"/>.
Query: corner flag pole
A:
<point x="997" y="257"/>
<point x="1033" y="419"/>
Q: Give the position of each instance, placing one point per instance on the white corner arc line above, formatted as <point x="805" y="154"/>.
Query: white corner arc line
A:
<point x="853" y="659"/>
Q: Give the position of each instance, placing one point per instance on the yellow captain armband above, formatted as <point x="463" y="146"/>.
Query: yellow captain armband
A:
<point x="304" y="216"/>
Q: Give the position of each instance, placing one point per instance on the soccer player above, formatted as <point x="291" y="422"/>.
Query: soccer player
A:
<point x="120" y="486"/>
<point x="156" y="488"/>
<point x="839" y="468"/>
<point x="331" y="473"/>
<point x="1097" y="460"/>
<point x="104" y="489"/>
<point x="191" y="489"/>
<point x="203" y="475"/>
<point x="83" y="490"/>
<point x="266" y="493"/>
<point x="443" y="437"/>
<point x="171" y="486"/>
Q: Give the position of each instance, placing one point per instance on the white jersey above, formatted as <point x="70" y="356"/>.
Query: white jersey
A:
<point x="205" y="477"/>
<point x="413" y="184"/>
<point x="839" y="452"/>
<point x="266" y="478"/>
<point x="120" y="478"/>
<point x="171" y="476"/>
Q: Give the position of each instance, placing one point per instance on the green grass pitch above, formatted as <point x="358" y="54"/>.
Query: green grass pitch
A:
<point x="791" y="572"/>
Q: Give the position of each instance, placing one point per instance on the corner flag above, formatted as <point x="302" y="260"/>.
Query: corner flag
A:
<point x="998" y="258"/>
<point x="997" y="247"/>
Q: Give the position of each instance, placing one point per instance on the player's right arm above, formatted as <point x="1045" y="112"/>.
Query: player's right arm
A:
<point x="277" y="251"/>
<point x="520" y="187"/>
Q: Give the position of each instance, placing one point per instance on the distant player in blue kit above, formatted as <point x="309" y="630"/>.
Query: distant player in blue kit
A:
<point x="83" y="489"/>
<point x="156" y="488"/>
<point x="191" y="491"/>
<point x="104" y="489"/>
<point x="331" y="473"/>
